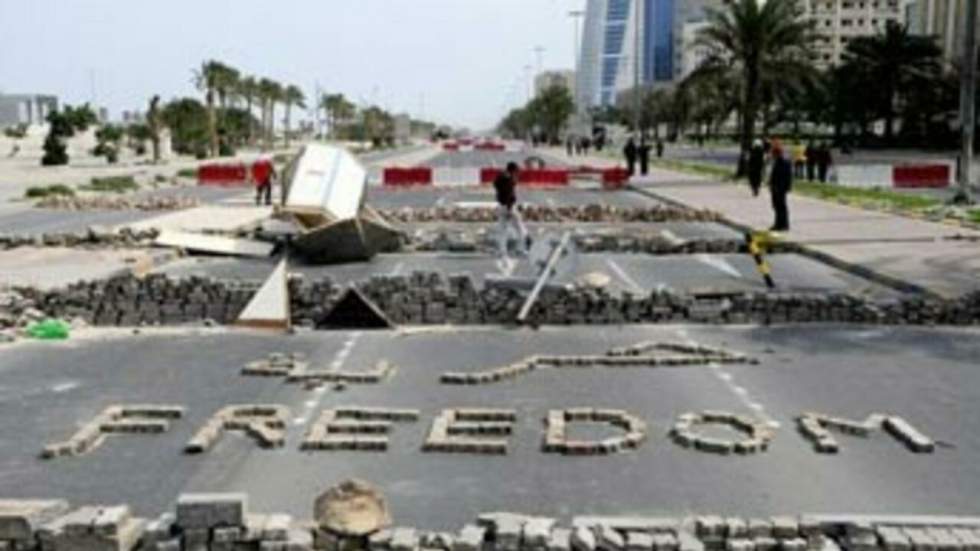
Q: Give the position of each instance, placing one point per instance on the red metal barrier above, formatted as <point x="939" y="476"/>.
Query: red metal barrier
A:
<point x="530" y="177"/>
<point x="215" y="174"/>
<point x="490" y="146"/>
<point x="450" y="147"/>
<point x="615" y="178"/>
<point x="416" y="176"/>
<point x="921" y="176"/>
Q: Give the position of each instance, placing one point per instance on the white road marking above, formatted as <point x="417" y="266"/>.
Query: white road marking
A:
<point x="741" y="392"/>
<point x="624" y="276"/>
<point x="64" y="387"/>
<point x="397" y="269"/>
<point x="719" y="264"/>
<point x="506" y="265"/>
<point x="669" y="235"/>
<point x="310" y="406"/>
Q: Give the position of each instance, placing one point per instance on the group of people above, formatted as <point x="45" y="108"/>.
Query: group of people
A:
<point x="812" y="161"/>
<point x="640" y="153"/>
<point x="581" y="145"/>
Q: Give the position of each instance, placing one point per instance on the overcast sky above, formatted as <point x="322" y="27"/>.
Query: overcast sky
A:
<point x="455" y="61"/>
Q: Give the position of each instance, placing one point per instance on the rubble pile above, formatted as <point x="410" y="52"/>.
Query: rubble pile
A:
<point x="431" y="298"/>
<point x="484" y="240"/>
<point x="102" y="202"/>
<point x="92" y="237"/>
<point x="359" y="521"/>
<point x="17" y="311"/>
<point x="593" y="213"/>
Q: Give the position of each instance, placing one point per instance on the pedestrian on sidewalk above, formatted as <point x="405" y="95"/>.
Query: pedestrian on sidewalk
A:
<point x="757" y="164"/>
<point x="644" y="152"/>
<point x="586" y="144"/>
<point x="811" y="161"/>
<point x="630" y="151"/>
<point x="799" y="160"/>
<point x="660" y="149"/>
<point x="570" y="145"/>
<point x="507" y="214"/>
<point x="780" y="184"/>
<point x="824" y="161"/>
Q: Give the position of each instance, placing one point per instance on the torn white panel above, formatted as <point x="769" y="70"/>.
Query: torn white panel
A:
<point x="269" y="307"/>
<point x="213" y="244"/>
<point x="327" y="178"/>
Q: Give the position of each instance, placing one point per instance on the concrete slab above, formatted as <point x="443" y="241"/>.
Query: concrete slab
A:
<point x="54" y="267"/>
<point x="269" y="307"/>
<point x="214" y="244"/>
<point x="215" y="219"/>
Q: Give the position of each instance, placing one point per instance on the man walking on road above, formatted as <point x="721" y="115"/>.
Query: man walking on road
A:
<point x="507" y="214"/>
<point x="780" y="184"/>
<point x="629" y="151"/>
<point x="757" y="163"/>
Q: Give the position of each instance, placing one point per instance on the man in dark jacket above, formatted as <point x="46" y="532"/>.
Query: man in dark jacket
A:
<point x="812" y="153"/>
<point x="508" y="216"/>
<point x="630" y="151"/>
<point x="780" y="184"/>
<point x="757" y="162"/>
<point x="824" y="160"/>
<point x="644" y="151"/>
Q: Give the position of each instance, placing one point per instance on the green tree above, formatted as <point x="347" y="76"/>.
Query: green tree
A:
<point x="550" y="111"/>
<point x="292" y="96"/>
<point x="248" y="89"/>
<point x="891" y="64"/>
<point x="763" y="42"/>
<point x="108" y="138"/>
<point x="153" y="123"/>
<point x="187" y="119"/>
<point x="517" y="124"/>
<point x="55" y="150"/>
<point x="339" y="112"/>
<point x="270" y="93"/>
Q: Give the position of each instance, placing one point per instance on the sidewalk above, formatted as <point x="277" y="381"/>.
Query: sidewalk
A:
<point x="899" y="250"/>
<point x="904" y="250"/>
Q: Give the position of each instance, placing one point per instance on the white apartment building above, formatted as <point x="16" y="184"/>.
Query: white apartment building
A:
<point x="840" y="21"/>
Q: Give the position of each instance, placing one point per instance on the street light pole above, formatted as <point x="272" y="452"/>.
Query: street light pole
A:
<point x="968" y="91"/>
<point x="636" y="67"/>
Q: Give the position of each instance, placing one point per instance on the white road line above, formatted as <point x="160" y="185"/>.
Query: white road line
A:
<point x="624" y="276"/>
<point x="506" y="265"/>
<point x="719" y="264"/>
<point x="397" y="269"/>
<point x="310" y="406"/>
<point x="741" y="392"/>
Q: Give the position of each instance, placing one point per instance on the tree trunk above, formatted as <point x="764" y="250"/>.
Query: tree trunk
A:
<point x="248" y="110"/>
<point x="212" y="123"/>
<point x="748" y="115"/>
<point x="272" y="125"/>
<point x="289" y="107"/>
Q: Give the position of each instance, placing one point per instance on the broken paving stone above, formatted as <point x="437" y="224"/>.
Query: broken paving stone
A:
<point x="20" y="518"/>
<point x="209" y="510"/>
<point x="470" y="538"/>
<point x="583" y="539"/>
<point x="609" y="539"/>
<point x="404" y="539"/>
<point x="352" y="508"/>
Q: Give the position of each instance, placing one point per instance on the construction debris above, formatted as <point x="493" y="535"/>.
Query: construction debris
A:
<point x="101" y="202"/>
<point x="214" y="244"/>
<point x="269" y="308"/>
<point x="352" y="508"/>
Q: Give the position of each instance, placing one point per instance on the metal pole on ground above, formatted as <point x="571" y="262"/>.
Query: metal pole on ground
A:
<point x="546" y="273"/>
<point x="968" y="92"/>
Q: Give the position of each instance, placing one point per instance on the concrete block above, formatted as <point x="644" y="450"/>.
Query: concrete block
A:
<point x="19" y="519"/>
<point x="211" y="510"/>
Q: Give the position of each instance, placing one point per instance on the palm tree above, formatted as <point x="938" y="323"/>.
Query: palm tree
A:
<point x="338" y="109"/>
<point x="893" y="63"/>
<point x="765" y="42"/>
<point x="291" y="96"/>
<point x="270" y="92"/>
<point x="248" y="89"/>
<point x="207" y="79"/>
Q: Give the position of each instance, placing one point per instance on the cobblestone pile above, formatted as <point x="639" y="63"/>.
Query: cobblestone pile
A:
<point x="429" y="298"/>
<point x="103" y="202"/>
<point x="542" y="213"/>
<point x="90" y="238"/>
<point x="220" y="522"/>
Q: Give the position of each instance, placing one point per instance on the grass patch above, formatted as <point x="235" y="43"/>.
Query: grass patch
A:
<point x="973" y="216"/>
<point x="112" y="184"/>
<point x="869" y="198"/>
<point x="187" y="173"/>
<point x="40" y="192"/>
<point x="693" y="167"/>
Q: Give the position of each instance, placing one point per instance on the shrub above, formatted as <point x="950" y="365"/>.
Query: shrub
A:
<point x="112" y="184"/>
<point x="38" y="192"/>
<point x="16" y="132"/>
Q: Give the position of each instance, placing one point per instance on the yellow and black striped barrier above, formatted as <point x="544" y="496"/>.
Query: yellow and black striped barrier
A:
<point x="759" y="243"/>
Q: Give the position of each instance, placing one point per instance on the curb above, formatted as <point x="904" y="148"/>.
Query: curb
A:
<point x="849" y="267"/>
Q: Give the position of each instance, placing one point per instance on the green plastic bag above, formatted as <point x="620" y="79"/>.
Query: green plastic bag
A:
<point x="49" y="330"/>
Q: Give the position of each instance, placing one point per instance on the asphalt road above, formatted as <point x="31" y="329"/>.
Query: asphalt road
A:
<point x="928" y="376"/>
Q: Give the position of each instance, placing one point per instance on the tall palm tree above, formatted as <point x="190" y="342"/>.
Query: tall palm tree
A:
<point x="248" y="89"/>
<point x="338" y="109"/>
<point x="270" y="93"/>
<point x="893" y="63"/>
<point x="207" y="79"/>
<point x="291" y="96"/>
<point x="765" y="42"/>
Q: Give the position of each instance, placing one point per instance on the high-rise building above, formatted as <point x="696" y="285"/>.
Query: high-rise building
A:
<point x="26" y="108"/>
<point x="837" y="22"/>
<point x="943" y="19"/>
<point x="607" y="61"/>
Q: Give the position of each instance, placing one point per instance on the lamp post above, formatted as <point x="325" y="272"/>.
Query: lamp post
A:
<point x="968" y="92"/>
<point x="636" y="66"/>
